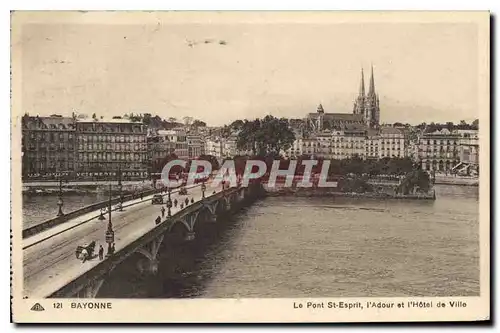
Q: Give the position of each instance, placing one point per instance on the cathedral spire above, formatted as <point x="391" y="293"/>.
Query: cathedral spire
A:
<point x="371" y="90"/>
<point x="362" y="84"/>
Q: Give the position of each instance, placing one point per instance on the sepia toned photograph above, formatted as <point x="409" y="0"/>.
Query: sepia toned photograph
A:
<point x="253" y="166"/>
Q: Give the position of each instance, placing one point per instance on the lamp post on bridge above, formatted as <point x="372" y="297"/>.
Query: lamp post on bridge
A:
<point x="60" y="202"/>
<point x="203" y="189"/>
<point x="169" y="202"/>
<point x="110" y="234"/>
<point x="120" y="187"/>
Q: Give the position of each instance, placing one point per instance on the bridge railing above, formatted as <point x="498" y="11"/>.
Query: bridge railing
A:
<point x="79" y="212"/>
<point x="106" y="265"/>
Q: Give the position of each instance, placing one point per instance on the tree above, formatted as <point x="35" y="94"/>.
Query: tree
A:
<point x="94" y="116"/>
<point x="415" y="180"/>
<point x="475" y="124"/>
<point x="198" y="123"/>
<point x="187" y="120"/>
<point x="146" y="119"/>
<point x="172" y="120"/>
<point x="237" y="125"/>
<point x="274" y="135"/>
<point x="135" y="118"/>
<point x="267" y="136"/>
<point x="225" y="131"/>
<point x="450" y="126"/>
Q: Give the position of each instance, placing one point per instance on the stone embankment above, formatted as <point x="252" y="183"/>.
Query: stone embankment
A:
<point x="329" y="192"/>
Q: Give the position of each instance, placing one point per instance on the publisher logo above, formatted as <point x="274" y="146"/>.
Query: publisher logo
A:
<point x="37" y="307"/>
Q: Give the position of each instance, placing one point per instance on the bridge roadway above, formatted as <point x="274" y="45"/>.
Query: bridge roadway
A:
<point x="49" y="261"/>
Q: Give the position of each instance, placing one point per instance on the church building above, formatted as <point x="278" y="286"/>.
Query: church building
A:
<point x="367" y="105"/>
<point x="366" y="112"/>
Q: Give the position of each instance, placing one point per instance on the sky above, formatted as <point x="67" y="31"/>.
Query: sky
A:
<point x="423" y="71"/>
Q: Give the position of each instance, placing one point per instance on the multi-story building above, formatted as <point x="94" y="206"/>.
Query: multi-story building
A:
<point x="324" y="144"/>
<point x="348" y="143"/>
<point x="214" y="146"/>
<point x="196" y="145"/>
<point x="107" y="146"/>
<point x="468" y="152"/>
<point x="468" y="146"/>
<point x="48" y="146"/>
<point x="392" y="143"/>
<point x="439" y="151"/>
<point x="178" y="137"/>
<point x="310" y="146"/>
<point x="158" y="149"/>
<point x="230" y="146"/>
<point x="295" y="149"/>
<point x="372" y="144"/>
<point x="341" y="144"/>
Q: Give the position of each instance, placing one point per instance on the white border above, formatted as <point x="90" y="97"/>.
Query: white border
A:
<point x="184" y="5"/>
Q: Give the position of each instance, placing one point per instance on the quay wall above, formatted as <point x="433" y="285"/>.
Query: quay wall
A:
<point x="333" y="192"/>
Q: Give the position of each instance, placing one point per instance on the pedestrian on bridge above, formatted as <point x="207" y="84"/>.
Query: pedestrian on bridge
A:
<point x="186" y="201"/>
<point x="182" y="205"/>
<point x="141" y="195"/>
<point x="84" y="255"/>
<point x="162" y="211"/>
<point x="158" y="220"/>
<point x="175" y="203"/>
<point x="101" y="252"/>
<point x="192" y="200"/>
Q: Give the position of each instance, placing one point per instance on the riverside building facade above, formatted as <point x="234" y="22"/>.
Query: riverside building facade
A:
<point x="107" y="147"/>
<point x="438" y="151"/>
<point x="196" y="146"/>
<point x="47" y="146"/>
<point x="178" y="139"/>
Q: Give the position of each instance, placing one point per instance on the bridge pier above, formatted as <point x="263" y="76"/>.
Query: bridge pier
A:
<point x="189" y="221"/>
<point x="212" y="208"/>
<point x="190" y="235"/>
<point x="227" y="203"/>
<point x="240" y="196"/>
<point x="150" y="251"/>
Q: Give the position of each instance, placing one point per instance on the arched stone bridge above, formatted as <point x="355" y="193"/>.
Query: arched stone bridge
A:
<point x="181" y="224"/>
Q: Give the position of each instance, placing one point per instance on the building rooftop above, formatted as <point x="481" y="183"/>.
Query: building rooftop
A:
<point x="372" y="132"/>
<point x="107" y="121"/>
<point x="390" y="130"/>
<point x="53" y="122"/>
<point x="337" y="116"/>
<point x="443" y="131"/>
<point x="174" y="131"/>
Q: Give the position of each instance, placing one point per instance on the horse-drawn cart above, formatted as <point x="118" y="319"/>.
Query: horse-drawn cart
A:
<point x="89" y="251"/>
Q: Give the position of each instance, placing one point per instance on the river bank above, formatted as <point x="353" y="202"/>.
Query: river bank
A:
<point x="81" y="188"/>
<point x="306" y="192"/>
<point x="454" y="180"/>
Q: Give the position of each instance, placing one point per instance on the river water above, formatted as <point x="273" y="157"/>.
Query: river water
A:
<point x="39" y="208"/>
<point x="326" y="247"/>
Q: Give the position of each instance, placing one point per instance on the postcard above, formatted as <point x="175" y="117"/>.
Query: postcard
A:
<point x="250" y="167"/>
